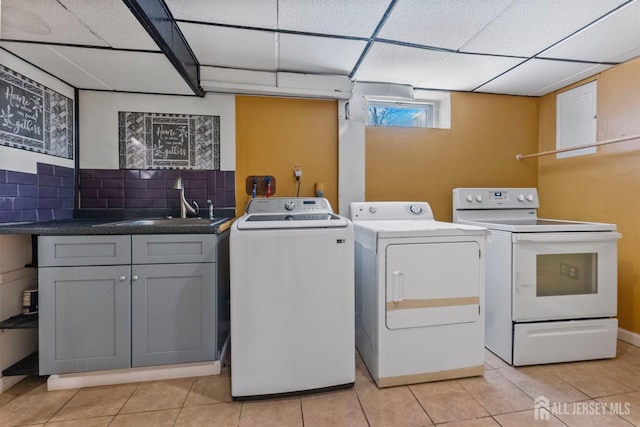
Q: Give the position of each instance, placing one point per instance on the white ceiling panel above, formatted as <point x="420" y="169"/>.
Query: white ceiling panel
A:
<point x="466" y="72"/>
<point x="358" y="18"/>
<point x="614" y="39"/>
<point x="528" y="27"/>
<point x="440" y="23"/>
<point x="318" y="55"/>
<point x="128" y="71"/>
<point x="398" y="64"/>
<point x="44" y="20"/>
<point x="113" y="22"/>
<point x="537" y="77"/>
<point x="50" y="60"/>
<point x="230" y="47"/>
<point x="252" y="13"/>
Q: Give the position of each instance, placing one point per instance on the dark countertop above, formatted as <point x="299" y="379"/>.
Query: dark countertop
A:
<point x="110" y="226"/>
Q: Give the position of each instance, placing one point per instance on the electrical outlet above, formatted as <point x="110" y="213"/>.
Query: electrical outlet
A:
<point x="297" y="171"/>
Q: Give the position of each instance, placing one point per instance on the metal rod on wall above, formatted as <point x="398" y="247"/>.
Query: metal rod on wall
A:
<point x="577" y="147"/>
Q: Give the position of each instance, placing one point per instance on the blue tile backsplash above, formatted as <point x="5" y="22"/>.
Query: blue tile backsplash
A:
<point x="152" y="189"/>
<point x="43" y="196"/>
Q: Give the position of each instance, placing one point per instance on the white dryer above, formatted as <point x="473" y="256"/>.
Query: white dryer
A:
<point x="419" y="294"/>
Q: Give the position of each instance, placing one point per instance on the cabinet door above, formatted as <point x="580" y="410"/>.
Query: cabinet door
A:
<point x="173" y="316"/>
<point x="84" y="318"/>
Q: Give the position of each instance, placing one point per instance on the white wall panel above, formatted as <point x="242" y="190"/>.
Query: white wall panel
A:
<point x="99" y="122"/>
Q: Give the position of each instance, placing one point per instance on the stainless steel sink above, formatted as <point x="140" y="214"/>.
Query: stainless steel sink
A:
<point x="164" y="222"/>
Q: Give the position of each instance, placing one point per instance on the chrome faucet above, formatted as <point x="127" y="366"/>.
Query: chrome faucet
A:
<point x="184" y="205"/>
<point x="210" y="209"/>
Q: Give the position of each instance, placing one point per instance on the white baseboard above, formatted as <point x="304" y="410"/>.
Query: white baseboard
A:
<point x="132" y="375"/>
<point x="629" y="337"/>
<point x="7" y="382"/>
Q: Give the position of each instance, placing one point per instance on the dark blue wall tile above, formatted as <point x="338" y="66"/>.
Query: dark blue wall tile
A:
<point x="21" y="178"/>
<point x="155" y="193"/>
<point x="21" y="203"/>
<point x="195" y="183"/>
<point x="48" y="192"/>
<point x="6" y="203"/>
<point x="87" y="173"/>
<point x="10" y="190"/>
<point x="93" y="203"/>
<point x="90" y="183"/>
<point x="9" y="216"/>
<point x="29" y="215"/>
<point x="158" y="183"/>
<point x="45" y="215"/>
<point x="112" y="183"/>
<point x="138" y="203"/>
<point x="109" y="173"/>
<point x="44" y="169"/>
<point x="153" y="174"/>
<point x="132" y="174"/>
<point x="136" y="183"/>
<point x="59" y="214"/>
<point x="134" y="193"/>
<point x="111" y="193"/>
<point x="50" y="203"/>
<point x="66" y="193"/>
<point x="88" y="193"/>
<point x="68" y="182"/>
<point x="62" y="171"/>
<point x="3" y="176"/>
<point x="28" y="190"/>
<point x="49" y="181"/>
<point x="115" y="203"/>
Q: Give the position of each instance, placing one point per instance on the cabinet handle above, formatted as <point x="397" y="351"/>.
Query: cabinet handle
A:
<point x="134" y="278"/>
<point x="122" y="278"/>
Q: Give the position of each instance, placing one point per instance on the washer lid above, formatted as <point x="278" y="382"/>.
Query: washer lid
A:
<point x="291" y="221"/>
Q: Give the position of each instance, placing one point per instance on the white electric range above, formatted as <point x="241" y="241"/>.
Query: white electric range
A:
<point x="551" y="285"/>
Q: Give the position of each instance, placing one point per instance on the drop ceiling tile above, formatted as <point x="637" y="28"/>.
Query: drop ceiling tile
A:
<point x="48" y="59"/>
<point x="318" y="55"/>
<point x="538" y="77"/>
<point x="252" y="13"/>
<point x="230" y="75"/>
<point x="529" y="27"/>
<point x="44" y="20"/>
<point x="113" y="22"/>
<point x="128" y="71"/>
<point x="466" y="72"/>
<point x="440" y="23"/>
<point x="357" y="18"/>
<point x="231" y="47"/>
<point x="616" y="38"/>
<point x="398" y="64"/>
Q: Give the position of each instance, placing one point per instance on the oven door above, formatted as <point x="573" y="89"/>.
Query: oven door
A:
<point x="564" y="275"/>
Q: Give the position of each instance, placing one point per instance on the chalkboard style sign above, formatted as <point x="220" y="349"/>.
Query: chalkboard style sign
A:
<point x="163" y="141"/>
<point x="34" y="117"/>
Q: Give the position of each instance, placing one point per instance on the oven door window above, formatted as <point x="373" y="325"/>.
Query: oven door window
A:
<point x="566" y="274"/>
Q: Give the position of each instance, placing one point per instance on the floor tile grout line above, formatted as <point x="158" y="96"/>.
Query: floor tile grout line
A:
<point x="420" y="403"/>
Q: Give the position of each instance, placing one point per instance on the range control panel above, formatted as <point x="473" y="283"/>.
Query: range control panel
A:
<point x="389" y="211"/>
<point x="495" y="198"/>
<point x="309" y="205"/>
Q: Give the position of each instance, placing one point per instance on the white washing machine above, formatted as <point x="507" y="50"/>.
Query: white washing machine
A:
<point x="419" y="294"/>
<point x="292" y="299"/>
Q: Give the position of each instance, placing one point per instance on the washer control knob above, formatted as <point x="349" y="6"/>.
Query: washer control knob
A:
<point x="469" y="198"/>
<point x="415" y="209"/>
<point x="530" y="197"/>
<point x="373" y="209"/>
<point x="289" y="205"/>
<point x="520" y="197"/>
<point x="479" y="197"/>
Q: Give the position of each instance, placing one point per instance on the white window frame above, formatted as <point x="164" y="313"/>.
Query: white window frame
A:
<point x="576" y="120"/>
<point x="440" y="102"/>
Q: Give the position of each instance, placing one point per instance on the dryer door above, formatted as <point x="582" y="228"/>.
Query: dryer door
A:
<point x="431" y="284"/>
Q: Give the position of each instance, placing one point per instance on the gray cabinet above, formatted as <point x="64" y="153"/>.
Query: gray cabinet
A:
<point x="154" y="305"/>
<point x="84" y="322"/>
<point x="173" y="317"/>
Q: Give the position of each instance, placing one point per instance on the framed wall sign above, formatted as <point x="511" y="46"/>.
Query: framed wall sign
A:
<point x="34" y="117"/>
<point x="168" y="141"/>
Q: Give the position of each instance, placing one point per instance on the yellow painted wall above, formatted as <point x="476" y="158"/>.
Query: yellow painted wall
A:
<point x="487" y="132"/>
<point x="275" y="134"/>
<point x="604" y="186"/>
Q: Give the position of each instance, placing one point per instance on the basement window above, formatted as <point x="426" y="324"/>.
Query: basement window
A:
<point x="425" y="110"/>
<point x="576" y="120"/>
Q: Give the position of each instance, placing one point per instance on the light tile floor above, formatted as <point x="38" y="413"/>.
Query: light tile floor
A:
<point x="594" y="393"/>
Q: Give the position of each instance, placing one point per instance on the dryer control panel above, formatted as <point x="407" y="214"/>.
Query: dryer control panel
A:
<point x="377" y="211"/>
<point x="307" y="205"/>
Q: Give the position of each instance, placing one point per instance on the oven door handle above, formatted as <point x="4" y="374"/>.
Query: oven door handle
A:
<point x="566" y="237"/>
